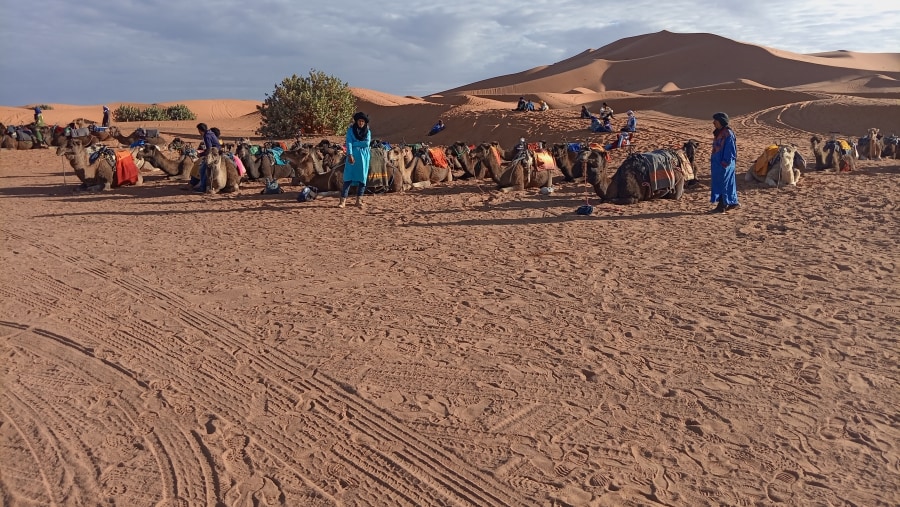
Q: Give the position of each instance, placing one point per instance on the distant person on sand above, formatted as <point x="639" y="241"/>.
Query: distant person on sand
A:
<point x="529" y="106"/>
<point x="38" y="123"/>
<point x="543" y="106"/>
<point x="585" y="113"/>
<point x="356" y="169"/>
<point x="723" y="187"/>
<point x="439" y="126"/>
<point x="210" y="140"/>
<point x="606" y="112"/>
<point x="105" y="122"/>
<point x="521" y="105"/>
<point x="631" y="125"/>
<point x="622" y="140"/>
<point x="598" y="125"/>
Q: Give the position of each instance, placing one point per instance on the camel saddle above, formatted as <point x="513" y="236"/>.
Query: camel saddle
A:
<point x="126" y="170"/>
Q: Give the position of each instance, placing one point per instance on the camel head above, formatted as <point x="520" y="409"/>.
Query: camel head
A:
<point x="690" y="149"/>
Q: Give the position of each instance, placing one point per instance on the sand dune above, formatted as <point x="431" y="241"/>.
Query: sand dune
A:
<point x="460" y="345"/>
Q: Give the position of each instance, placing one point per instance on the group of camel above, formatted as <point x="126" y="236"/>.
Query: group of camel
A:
<point x="641" y="176"/>
<point x="58" y="135"/>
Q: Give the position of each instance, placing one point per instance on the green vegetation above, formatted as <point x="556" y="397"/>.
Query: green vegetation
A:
<point x="319" y="104"/>
<point x="153" y="113"/>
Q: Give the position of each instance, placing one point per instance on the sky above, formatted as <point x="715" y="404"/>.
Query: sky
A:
<point x="150" y="51"/>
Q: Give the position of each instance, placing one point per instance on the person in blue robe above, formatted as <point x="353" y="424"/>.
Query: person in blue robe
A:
<point x="359" y="153"/>
<point x="722" y="160"/>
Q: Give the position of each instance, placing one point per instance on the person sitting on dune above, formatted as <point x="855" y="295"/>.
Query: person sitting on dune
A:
<point x="543" y="106"/>
<point x="529" y="106"/>
<point x="585" y="113"/>
<point x="623" y="139"/>
<point x="631" y="126"/>
<point x="439" y="126"/>
<point x="598" y="125"/>
<point x="521" y="105"/>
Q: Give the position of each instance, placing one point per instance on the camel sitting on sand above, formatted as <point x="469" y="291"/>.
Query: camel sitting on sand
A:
<point x="871" y="145"/>
<point x="102" y="173"/>
<point x="835" y="155"/>
<point x="778" y="166"/>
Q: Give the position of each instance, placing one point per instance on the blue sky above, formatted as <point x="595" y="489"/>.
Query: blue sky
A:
<point x="148" y="51"/>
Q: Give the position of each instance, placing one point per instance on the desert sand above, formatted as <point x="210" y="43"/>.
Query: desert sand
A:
<point x="457" y="345"/>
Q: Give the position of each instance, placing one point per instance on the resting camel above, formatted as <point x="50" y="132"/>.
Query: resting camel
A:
<point x="891" y="147"/>
<point x="99" y="175"/>
<point x="460" y="159"/>
<point x="570" y="158"/>
<point x="312" y="170"/>
<point x="832" y="156"/>
<point x="135" y="136"/>
<point x="519" y="174"/>
<point x="871" y="145"/>
<point x="179" y="169"/>
<point x="645" y="176"/>
<point x="784" y="168"/>
<point x="221" y="173"/>
<point x="420" y="170"/>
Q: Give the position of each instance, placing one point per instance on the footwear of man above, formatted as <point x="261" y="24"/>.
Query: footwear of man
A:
<point x="342" y="202"/>
<point x="719" y="209"/>
<point x="732" y="206"/>
<point x="359" y="201"/>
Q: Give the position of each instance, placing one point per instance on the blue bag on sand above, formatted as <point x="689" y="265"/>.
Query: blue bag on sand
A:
<point x="585" y="209"/>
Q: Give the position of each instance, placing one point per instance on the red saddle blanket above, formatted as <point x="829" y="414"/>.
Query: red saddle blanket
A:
<point x="126" y="171"/>
<point x="438" y="158"/>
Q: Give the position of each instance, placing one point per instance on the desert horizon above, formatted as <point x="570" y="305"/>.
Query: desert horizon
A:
<point x="461" y="345"/>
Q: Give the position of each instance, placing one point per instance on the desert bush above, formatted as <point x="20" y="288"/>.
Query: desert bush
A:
<point x="180" y="112"/>
<point x="319" y="104"/>
<point x="153" y="113"/>
<point x="126" y="113"/>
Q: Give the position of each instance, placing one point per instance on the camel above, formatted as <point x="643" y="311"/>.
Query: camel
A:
<point x="221" y="173"/>
<point x="179" y="169"/>
<point x="420" y="170"/>
<point x="99" y="175"/>
<point x="59" y="136"/>
<point x="834" y="155"/>
<point x="245" y="152"/>
<point x="519" y="174"/>
<point x="21" y="137"/>
<point x="871" y="145"/>
<point x="779" y="165"/>
<point x="891" y="147"/>
<point x="312" y="170"/>
<point x="139" y="134"/>
<point x="570" y="158"/>
<point x="645" y="176"/>
<point x="459" y="156"/>
<point x="270" y="170"/>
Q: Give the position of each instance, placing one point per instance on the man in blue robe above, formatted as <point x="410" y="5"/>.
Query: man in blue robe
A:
<point x="359" y="153"/>
<point x="723" y="188"/>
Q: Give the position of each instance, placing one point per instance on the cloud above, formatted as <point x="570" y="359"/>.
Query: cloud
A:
<point x="155" y="51"/>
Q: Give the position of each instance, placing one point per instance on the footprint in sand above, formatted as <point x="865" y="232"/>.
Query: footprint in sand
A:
<point x="780" y="489"/>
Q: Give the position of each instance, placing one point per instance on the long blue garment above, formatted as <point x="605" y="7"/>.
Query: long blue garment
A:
<point x="722" y="168"/>
<point x="358" y="171"/>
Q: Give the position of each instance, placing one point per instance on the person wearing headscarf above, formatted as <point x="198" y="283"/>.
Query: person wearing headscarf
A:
<point x="631" y="125"/>
<point x="585" y="113"/>
<point x="356" y="168"/>
<point x="209" y="140"/>
<point x="723" y="188"/>
<point x="105" y="117"/>
<point x="38" y="123"/>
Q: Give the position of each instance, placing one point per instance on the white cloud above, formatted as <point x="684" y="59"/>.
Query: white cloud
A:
<point x="154" y="51"/>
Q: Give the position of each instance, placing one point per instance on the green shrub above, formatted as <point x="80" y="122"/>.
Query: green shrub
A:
<point x="319" y="104"/>
<point x="180" y="112"/>
<point x="153" y="113"/>
<point x="126" y="113"/>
